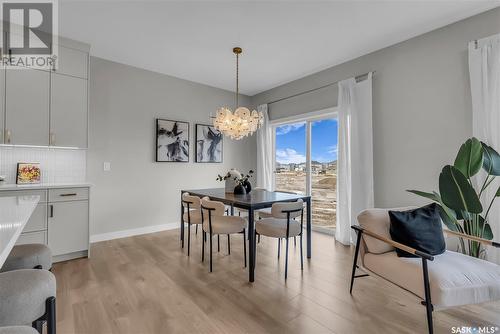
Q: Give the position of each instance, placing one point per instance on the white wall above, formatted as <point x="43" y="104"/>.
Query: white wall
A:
<point x="421" y="104"/>
<point x="139" y="193"/>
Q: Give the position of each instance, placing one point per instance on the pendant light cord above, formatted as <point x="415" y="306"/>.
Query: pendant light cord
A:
<point x="237" y="79"/>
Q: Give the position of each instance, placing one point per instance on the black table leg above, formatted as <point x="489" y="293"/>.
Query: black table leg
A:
<point x="251" y="248"/>
<point x="308" y="227"/>
<point x="182" y="224"/>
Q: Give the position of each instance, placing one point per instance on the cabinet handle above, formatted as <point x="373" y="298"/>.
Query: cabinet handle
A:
<point x="67" y="195"/>
<point x="7" y="136"/>
<point x="52" y="139"/>
<point x="51" y="211"/>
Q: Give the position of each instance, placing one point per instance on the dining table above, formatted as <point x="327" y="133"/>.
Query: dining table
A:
<point x="255" y="200"/>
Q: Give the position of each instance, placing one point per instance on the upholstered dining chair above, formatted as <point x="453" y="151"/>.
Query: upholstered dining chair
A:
<point x="191" y="214"/>
<point x="440" y="281"/>
<point x="216" y="223"/>
<point x="266" y="213"/>
<point x="282" y="225"/>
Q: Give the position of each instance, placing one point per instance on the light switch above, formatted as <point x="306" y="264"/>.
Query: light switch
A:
<point x="107" y="166"/>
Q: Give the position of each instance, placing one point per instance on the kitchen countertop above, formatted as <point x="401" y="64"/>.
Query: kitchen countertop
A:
<point x="12" y="186"/>
<point x="15" y="211"/>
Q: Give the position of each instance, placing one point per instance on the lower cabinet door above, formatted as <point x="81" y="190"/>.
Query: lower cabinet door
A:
<point x="68" y="227"/>
<point x="39" y="237"/>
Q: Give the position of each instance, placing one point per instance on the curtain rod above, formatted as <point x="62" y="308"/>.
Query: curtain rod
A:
<point x="357" y="77"/>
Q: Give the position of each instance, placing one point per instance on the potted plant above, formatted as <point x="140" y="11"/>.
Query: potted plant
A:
<point x="461" y="191"/>
<point x="229" y="179"/>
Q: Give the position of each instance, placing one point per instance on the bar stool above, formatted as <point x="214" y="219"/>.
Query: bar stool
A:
<point x="28" y="256"/>
<point x="17" y="330"/>
<point x="27" y="296"/>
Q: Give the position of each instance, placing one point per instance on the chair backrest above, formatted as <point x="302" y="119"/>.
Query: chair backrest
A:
<point x="377" y="221"/>
<point x="194" y="201"/>
<point x="218" y="207"/>
<point x="278" y="208"/>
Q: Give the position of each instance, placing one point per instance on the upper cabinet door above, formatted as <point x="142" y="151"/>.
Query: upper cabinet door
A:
<point x="72" y="62"/>
<point x="27" y="107"/>
<point x="2" y="104"/>
<point x="68" y="116"/>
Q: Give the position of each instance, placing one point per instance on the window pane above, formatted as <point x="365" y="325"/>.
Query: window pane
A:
<point x="291" y="158"/>
<point x="324" y="172"/>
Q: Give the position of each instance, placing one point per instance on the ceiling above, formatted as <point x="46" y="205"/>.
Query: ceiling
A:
<point x="281" y="40"/>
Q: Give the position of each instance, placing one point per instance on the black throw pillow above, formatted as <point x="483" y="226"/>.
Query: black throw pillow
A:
<point x="419" y="228"/>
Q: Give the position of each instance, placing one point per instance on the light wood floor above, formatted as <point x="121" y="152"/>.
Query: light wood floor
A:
<point x="147" y="284"/>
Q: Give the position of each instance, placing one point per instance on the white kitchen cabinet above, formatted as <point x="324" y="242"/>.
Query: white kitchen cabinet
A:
<point x="68" y="111"/>
<point x="72" y="62"/>
<point x="60" y="220"/>
<point x="27" y="107"/>
<point x="2" y="105"/>
<point x="68" y="227"/>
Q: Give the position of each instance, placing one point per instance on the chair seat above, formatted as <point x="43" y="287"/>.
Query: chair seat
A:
<point x="455" y="279"/>
<point x="265" y="213"/>
<point x="28" y="256"/>
<point x="17" y="330"/>
<point x="276" y="228"/>
<point x="195" y="216"/>
<point x="225" y="224"/>
<point x="23" y="294"/>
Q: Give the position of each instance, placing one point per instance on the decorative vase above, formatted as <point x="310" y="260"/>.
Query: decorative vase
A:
<point x="239" y="190"/>
<point x="248" y="186"/>
<point x="230" y="182"/>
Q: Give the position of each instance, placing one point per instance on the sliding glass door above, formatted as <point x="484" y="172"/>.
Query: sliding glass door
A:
<point x="306" y="163"/>
<point x="290" y="165"/>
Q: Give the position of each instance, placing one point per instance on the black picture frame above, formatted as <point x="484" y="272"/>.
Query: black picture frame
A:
<point x="219" y="158"/>
<point x="172" y="141"/>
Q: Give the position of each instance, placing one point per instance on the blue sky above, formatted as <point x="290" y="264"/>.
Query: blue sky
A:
<point x="291" y="142"/>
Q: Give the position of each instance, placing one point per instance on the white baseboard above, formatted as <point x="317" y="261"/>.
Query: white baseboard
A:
<point x="132" y="232"/>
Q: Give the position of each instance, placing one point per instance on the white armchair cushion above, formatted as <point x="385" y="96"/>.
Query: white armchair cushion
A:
<point x="455" y="279"/>
<point x="378" y="221"/>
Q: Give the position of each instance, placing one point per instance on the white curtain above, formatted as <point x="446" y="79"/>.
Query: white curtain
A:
<point x="355" y="154"/>
<point x="265" y="152"/>
<point x="484" y="70"/>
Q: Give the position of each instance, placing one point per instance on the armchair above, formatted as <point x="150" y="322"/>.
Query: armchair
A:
<point x="442" y="281"/>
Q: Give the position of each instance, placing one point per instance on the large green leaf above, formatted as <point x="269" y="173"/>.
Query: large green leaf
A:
<point x="491" y="160"/>
<point x="479" y="230"/>
<point x="469" y="159"/>
<point x="456" y="192"/>
<point x="432" y="196"/>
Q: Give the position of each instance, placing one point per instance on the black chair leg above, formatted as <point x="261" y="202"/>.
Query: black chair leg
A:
<point x="355" y="262"/>
<point x="189" y="237"/>
<point x="245" y="247"/>
<point x="228" y="245"/>
<point x="50" y="305"/>
<point x="427" y="291"/>
<point x="203" y="247"/>
<point x="196" y="229"/>
<point x="294" y="242"/>
<point x="218" y="242"/>
<point x="259" y="239"/>
<point x="301" y="254"/>
<point x="286" y="259"/>
<point x="211" y="251"/>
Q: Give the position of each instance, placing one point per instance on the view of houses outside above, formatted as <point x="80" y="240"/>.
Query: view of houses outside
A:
<point x="290" y="174"/>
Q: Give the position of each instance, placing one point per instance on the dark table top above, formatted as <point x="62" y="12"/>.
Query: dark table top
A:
<point x="257" y="198"/>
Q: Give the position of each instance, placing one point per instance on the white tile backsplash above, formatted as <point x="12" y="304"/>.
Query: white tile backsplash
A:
<point x="57" y="165"/>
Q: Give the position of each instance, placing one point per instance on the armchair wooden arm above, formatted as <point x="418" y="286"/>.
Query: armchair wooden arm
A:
<point x="394" y="244"/>
<point x="473" y="238"/>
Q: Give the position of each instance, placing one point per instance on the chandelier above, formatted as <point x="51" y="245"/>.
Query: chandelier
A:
<point x="242" y="122"/>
